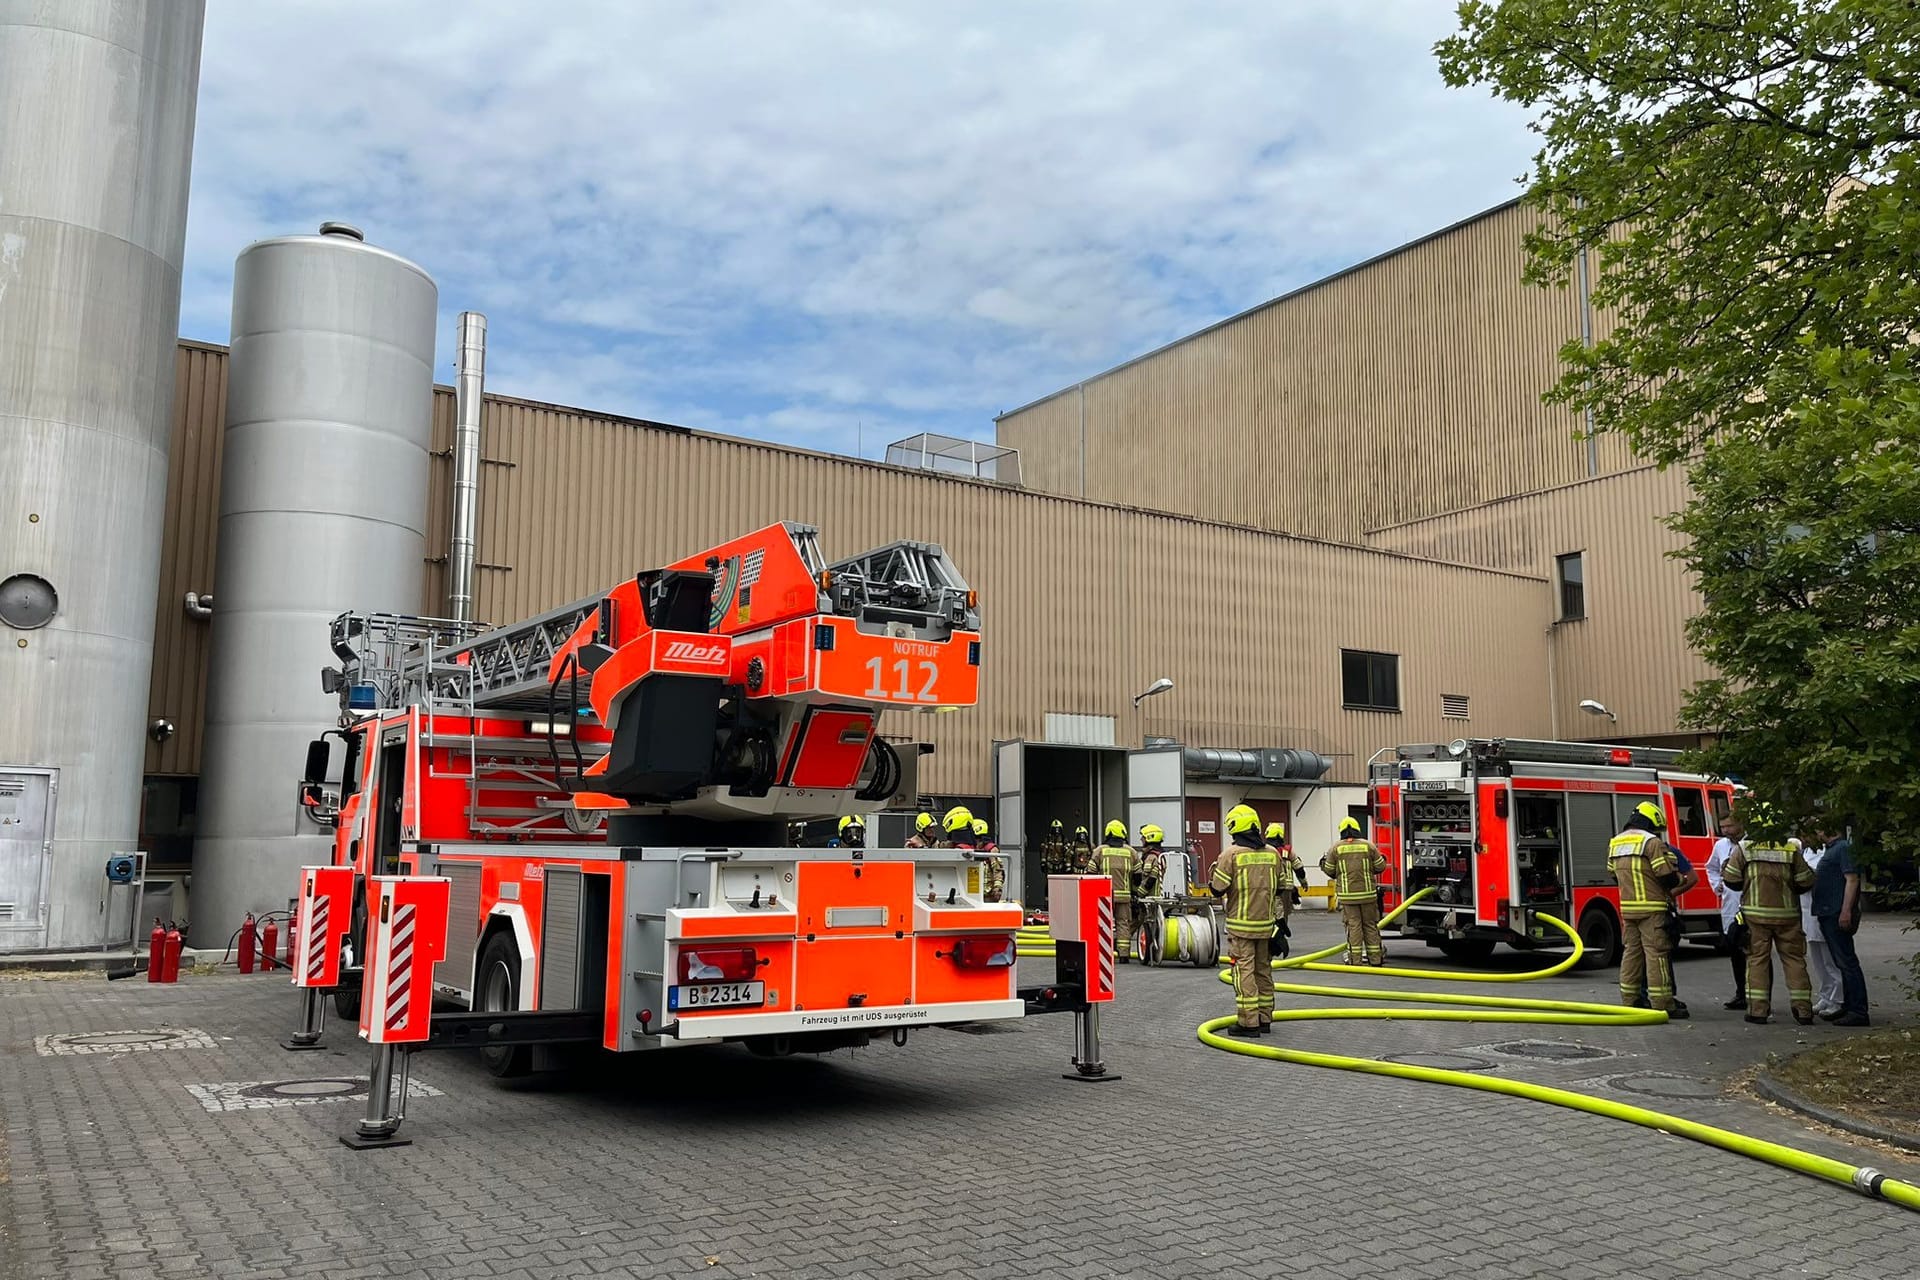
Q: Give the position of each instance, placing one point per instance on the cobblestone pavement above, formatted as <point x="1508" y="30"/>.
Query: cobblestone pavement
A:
<point x="960" y="1154"/>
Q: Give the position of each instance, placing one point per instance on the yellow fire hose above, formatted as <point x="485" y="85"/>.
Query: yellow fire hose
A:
<point x="1869" y="1182"/>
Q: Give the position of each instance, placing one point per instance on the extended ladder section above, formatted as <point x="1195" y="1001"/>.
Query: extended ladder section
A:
<point x="1499" y="751"/>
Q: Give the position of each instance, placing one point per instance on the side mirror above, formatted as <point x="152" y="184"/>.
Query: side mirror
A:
<point x="319" y="755"/>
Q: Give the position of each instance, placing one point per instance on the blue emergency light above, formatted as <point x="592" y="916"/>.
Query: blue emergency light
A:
<point x="362" y="697"/>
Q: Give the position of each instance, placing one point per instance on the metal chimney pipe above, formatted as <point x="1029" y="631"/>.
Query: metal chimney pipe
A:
<point x="469" y="393"/>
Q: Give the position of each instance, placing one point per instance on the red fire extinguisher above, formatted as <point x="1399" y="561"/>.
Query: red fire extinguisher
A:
<point x="157" y="952"/>
<point x="270" y="945"/>
<point x="171" y="947"/>
<point x="293" y="937"/>
<point x="248" y="938"/>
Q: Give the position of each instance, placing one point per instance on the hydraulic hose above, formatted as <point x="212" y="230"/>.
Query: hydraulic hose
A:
<point x="1867" y="1181"/>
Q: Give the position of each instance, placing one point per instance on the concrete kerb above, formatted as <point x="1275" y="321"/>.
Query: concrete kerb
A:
<point x="1773" y="1091"/>
<point x="82" y="961"/>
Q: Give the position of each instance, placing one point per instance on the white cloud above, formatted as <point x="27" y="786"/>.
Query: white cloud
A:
<point x="787" y="219"/>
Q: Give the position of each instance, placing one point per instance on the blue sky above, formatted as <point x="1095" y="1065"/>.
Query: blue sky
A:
<point x="830" y="223"/>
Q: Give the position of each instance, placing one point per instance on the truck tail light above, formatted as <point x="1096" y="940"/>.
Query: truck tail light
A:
<point x="718" y="964"/>
<point x="1500" y="803"/>
<point x="984" y="953"/>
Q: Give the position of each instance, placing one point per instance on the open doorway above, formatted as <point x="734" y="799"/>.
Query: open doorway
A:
<point x="1038" y="784"/>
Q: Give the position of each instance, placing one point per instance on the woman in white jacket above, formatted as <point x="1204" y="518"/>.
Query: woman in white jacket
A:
<point x="1820" y="965"/>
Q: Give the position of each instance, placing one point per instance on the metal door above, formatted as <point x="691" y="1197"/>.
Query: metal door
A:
<point x="1009" y="815"/>
<point x="1157" y="793"/>
<point x="26" y="848"/>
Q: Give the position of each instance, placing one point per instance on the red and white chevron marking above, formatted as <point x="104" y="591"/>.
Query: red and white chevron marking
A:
<point x="1106" y="944"/>
<point x="400" y="968"/>
<point x="315" y="941"/>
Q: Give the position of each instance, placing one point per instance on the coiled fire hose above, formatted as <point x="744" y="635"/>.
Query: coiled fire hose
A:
<point x="1869" y="1182"/>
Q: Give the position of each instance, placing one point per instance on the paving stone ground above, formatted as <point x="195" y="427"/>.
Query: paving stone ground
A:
<point x="958" y="1155"/>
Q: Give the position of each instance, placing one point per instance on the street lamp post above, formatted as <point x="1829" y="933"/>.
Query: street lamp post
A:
<point x="1594" y="708"/>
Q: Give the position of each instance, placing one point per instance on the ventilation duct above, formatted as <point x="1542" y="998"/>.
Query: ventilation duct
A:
<point x="1264" y="764"/>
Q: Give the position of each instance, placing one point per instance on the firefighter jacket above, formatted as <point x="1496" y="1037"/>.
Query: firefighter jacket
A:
<point x="993" y="873"/>
<point x="1081" y="860"/>
<point x="1151" y="872"/>
<point x="1292" y="870"/>
<point x="1644" y="869"/>
<point x="1250" y="879"/>
<point x="1117" y="862"/>
<point x="1770" y="877"/>
<point x="1353" y="866"/>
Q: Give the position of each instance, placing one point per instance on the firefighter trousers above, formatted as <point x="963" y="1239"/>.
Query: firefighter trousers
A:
<point x="1763" y="936"/>
<point x="1122" y="928"/>
<point x="1252" y="979"/>
<point x="1646" y="960"/>
<point x="1363" y="932"/>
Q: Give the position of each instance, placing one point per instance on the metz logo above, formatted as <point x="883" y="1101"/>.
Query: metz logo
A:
<point x="711" y="655"/>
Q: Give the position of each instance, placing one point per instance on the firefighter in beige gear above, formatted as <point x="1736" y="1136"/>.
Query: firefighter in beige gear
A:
<point x="1644" y="869"/>
<point x="1118" y="862"/>
<point x="1152" y="872"/>
<point x="1081" y="859"/>
<point x="1293" y="878"/>
<point x="1771" y="874"/>
<point x="923" y="836"/>
<point x="852" y="832"/>
<point x="1248" y="874"/>
<point x="1354" y="865"/>
<point x="993" y="870"/>
<point x="1053" y="849"/>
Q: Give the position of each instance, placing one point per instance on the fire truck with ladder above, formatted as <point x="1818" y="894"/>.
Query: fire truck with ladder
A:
<point x="605" y="790"/>
<point x="1504" y="829"/>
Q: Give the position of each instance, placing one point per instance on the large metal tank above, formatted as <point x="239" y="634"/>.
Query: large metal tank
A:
<point x="323" y="508"/>
<point x="96" y="145"/>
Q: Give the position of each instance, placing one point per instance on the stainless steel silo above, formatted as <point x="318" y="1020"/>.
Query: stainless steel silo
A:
<point x="323" y="508"/>
<point x="96" y="146"/>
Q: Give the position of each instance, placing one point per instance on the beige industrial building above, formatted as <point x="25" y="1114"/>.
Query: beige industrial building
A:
<point x="1337" y="522"/>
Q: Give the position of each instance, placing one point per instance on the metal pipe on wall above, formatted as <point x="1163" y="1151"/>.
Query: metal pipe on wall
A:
<point x="469" y="397"/>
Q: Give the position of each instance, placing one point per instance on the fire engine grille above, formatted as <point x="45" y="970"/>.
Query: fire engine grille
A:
<point x="463" y="929"/>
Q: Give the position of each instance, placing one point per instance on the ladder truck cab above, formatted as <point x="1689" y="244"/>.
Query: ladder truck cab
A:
<point x="607" y="787"/>
<point x="1505" y="829"/>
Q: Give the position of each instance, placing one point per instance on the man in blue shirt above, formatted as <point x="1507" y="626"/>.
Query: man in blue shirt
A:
<point x="1836" y="905"/>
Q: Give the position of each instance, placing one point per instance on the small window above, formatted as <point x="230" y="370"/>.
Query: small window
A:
<point x="1690" y="810"/>
<point x="1369" y="681"/>
<point x="1572" y="577"/>
<point x="1362" y="814"/>
<point x="1453" y="706"/>
<point x="1721" y="807"/>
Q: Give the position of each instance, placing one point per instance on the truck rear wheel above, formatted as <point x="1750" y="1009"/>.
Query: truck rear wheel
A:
<point x="497" y="990"/>
<point x="1600" y="935"/>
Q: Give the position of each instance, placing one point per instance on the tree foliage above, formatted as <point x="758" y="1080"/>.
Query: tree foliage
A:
<point x="1747" y="173"/>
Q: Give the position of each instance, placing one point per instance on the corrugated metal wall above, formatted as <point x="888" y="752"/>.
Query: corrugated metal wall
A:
<point x="1084" y="604"/>
<point x="1630" y="652"/>
<point x="177" y="690"/>
<point x="1407" y="387"/>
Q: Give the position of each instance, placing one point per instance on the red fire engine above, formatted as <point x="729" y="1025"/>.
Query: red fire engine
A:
<point x="1503" y="829"/>
<point x="606" y="787"/>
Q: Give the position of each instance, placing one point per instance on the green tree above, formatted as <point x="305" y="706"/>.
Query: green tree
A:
<point x="1745" y="172"/>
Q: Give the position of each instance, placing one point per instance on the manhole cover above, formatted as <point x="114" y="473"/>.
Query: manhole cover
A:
<point x="1442" y="1061"/>
<point x="1549" y="1051"/>
<point x="1658" y="1084"/>
<point x="143" y="1040"/>
<point x="307" y="1089"/>
<point x="250" y="1095"/>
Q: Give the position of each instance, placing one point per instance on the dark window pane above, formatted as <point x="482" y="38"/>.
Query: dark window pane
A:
<point x="1690" y="810"/>
<point x="1573" y="586"/>
<point x="1369" y="680"/>
<point x="1353" y="678"/>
